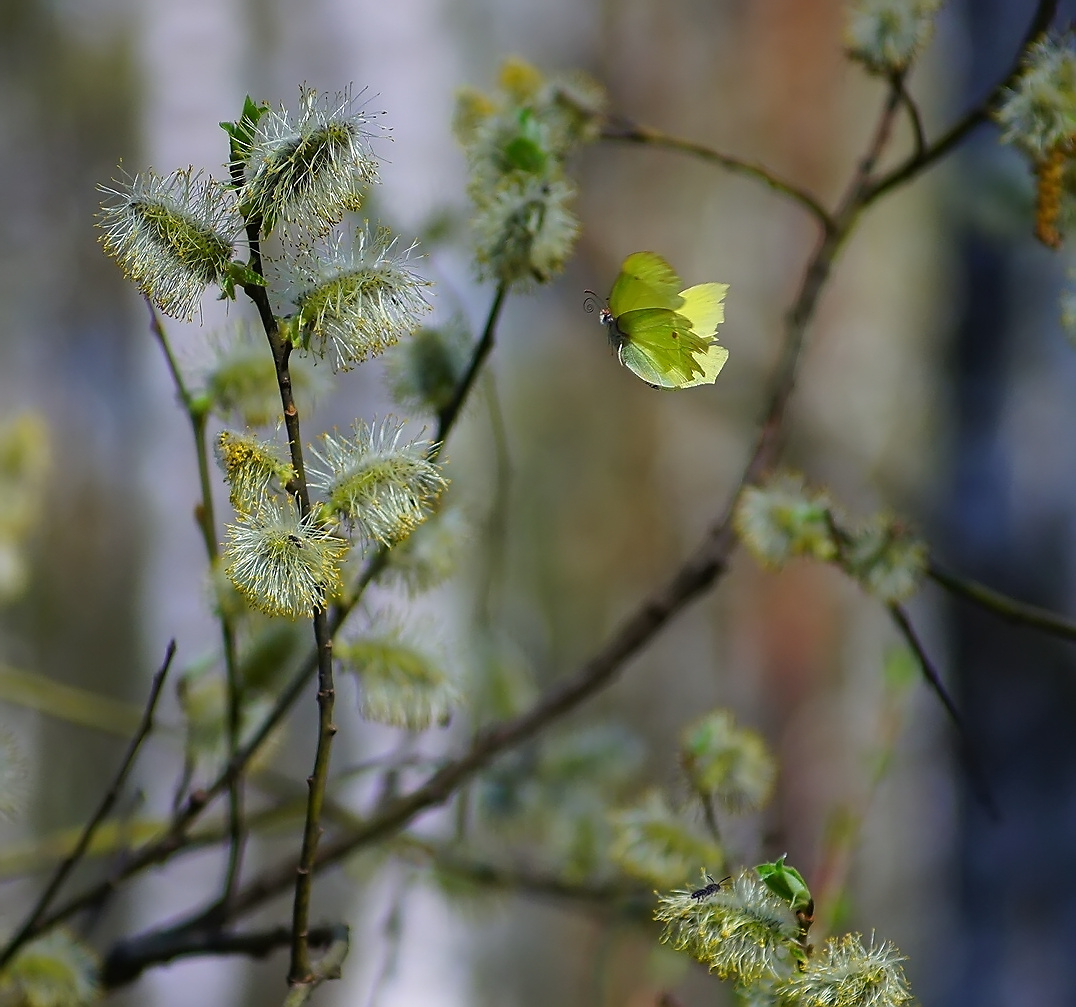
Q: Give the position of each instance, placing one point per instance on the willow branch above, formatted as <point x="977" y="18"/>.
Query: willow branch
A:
<point x="1002" y="605"/>
<point x="916" y="120"/>
<point x="300" y="971"/>
<point x="930" y="673"/>
<point x="447" y="417"/>
<point x="68" y="864"/>
<point x="198" y="414"/>
<point x="125" y="963"/>
<point x="921" y="160"/>
<point x="629" y="132"/>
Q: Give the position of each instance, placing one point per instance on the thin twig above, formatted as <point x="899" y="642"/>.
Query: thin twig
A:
<point x="447" y="417"/>
<point x="914" y="116"/>
<point x="630" y="132"/>
<point x="1002" y="605"/>
<point x="68" y="864"/>
<point x="918" y="162"/>
<point x="198" y="415"/>
<point x="967" y="753"/>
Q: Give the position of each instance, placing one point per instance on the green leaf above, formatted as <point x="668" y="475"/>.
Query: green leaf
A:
<point x="241" y="273"/>
<point x="241" y="132"/>
<point x="524" y="151"/>
<point x="787" y="883"/>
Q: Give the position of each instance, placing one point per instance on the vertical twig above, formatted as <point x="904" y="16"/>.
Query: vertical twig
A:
<point x="198" y="414"/>
<point x="68" y="864"/>
<point x="300" y="971"/>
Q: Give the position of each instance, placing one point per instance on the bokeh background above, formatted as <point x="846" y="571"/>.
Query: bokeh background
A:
<point x="938" y="384"/>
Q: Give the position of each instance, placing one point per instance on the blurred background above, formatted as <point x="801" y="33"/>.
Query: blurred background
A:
<point x="937" y="384"/>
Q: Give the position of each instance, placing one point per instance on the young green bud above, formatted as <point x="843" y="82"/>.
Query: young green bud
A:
<point x="654" y="843"/>
<point x="782" y="519"/>
<point x="516" y="145"/>
<point x="240" y="379"/>
<point x="52" y="971"/>
<point x="400" y="684"/>
<point x="525" y="231"/>
<point x="425" y="370"/>
<point x="886" y="558"/>
<point x="249" y="466"/>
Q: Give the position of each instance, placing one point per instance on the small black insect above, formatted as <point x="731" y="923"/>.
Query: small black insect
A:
<point x="712" y="887"/>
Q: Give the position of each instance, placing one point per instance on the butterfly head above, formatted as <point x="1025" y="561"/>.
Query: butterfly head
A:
<point x="592" y="301"/>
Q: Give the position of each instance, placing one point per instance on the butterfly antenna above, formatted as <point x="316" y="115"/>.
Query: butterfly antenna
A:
<point x="592" y="301"/>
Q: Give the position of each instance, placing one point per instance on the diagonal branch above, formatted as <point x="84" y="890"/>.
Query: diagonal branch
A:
<point x="930" y="672"/>
<point x="630" y="132"/>
<point x="1002" y="605"/>
<point x="68" y="864"/>
<point x="120" y="968"/>
<point x="921" y="160"/>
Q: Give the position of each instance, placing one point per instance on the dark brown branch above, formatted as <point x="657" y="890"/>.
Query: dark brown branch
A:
<point x="301" y="971"/>
<point x="920" y="161"/>
<point x="128" y="959"/>
<point x="1002" y="605"/>
<point x="972" y="767"/>
<point x="68" y="864"/>
<point x="630" y="132"/>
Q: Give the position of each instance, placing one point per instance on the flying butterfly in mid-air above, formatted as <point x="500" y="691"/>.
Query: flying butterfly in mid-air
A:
<point x="662" y="334"/>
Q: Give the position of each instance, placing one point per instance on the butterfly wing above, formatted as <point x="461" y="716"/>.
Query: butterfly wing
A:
<point x="657" y="345"/>
<point x="646" y="280"/>
<point x="711" y="361"/>
<point x="704" y="307"/>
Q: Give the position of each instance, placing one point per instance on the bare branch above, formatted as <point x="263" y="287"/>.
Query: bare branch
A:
<point x="68" y="864"/>
<point x="630" y="132"/>
<point x="129" y="959"/>
<point x="1002" y="605"/>
<point x="921" y="160"/>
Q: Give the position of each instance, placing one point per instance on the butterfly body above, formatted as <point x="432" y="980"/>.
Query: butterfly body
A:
<point x="665" y="336"/>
